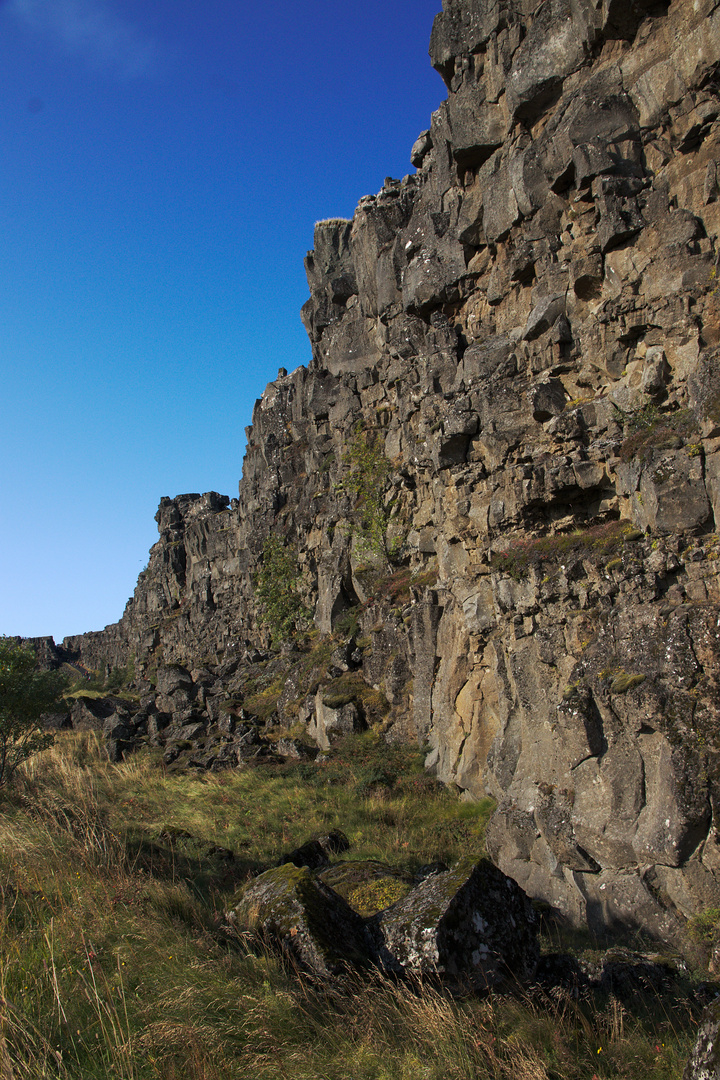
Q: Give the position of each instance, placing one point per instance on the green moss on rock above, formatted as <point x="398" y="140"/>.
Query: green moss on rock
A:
<point x="368" y="886"/>
<point x="289" y="907"/>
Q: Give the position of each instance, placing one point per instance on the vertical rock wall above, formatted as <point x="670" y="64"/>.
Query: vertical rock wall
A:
<point x="528" y="330"/>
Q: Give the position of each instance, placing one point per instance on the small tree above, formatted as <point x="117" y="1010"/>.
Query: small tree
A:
<point x="26" y="693"/>
<point x="277" y="587"/>
<point x="367" y="471"/>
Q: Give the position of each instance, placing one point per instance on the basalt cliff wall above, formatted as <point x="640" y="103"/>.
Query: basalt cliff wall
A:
<point x="500" y="472"/>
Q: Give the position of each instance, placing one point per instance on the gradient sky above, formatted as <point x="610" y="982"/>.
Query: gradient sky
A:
<point x="162" y="164"/>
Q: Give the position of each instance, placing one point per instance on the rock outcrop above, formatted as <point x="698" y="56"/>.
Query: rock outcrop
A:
<point x="498" y="480"/>
<point x="704" y="1063"/>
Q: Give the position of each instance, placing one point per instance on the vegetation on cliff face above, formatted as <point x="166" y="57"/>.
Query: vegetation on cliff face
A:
<point x="599" y="543"/>
<point x="277" y="586"/>
<point x="115" y="960"/>
<point x="367" y="470"/>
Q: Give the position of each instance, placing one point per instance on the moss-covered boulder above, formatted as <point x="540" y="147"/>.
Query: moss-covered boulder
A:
<point x="368" y="886"/>
<point x="471" y="926"/>
<point x="307" y="919"/>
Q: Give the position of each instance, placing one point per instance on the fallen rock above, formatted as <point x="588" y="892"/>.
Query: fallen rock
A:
<point x="308" y="920"/>
<point x="118" y="748"/>
<point x="470" y="926"/>
<point x="622" y="972"/>
<point x="90" y="714"/>
<point x="317" y="852"/>
<point x="291" y="748"/>
<point x="172" y="678"/>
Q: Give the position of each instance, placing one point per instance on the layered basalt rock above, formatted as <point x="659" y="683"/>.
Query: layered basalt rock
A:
<point x="528" y="330"/>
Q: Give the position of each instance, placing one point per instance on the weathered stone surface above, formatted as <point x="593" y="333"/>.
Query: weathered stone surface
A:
<point x="171" y="679"/>
<point x="704" y="1063"/>
<point x="89" y="713"/>
<point x="306" y="918"/>
<point x="329" y="724"/>
<point x="470" y="925"/>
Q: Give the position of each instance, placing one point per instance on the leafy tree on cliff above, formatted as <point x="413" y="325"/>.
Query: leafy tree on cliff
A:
<point x="366" y="479"/>
<point x="26" y="693"/>
<point x="277" y="587"/>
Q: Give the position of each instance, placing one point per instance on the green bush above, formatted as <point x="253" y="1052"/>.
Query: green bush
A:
<point x="366" y="477"/>
<point x="705" y="927"/>
<point x="26" y="693"/>
<point x="277" y="587"/>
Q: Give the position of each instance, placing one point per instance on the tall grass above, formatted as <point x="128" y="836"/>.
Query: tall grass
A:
<point x="114" y="961"/>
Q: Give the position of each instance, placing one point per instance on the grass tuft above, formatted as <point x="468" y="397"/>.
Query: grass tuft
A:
<point x="595" y="543"/>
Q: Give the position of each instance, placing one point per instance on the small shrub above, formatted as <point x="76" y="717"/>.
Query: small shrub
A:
<point x="366" y="476"/>
<point x="705" y="927"/>
<point x="600" y="540"/>
<point x="349" y="622"/>
<point x="277" y="588"/>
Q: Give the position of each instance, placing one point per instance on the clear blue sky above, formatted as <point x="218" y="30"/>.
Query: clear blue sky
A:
<point x="162" y="164"/>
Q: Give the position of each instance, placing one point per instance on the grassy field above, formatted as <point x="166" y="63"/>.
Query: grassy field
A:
<point x="116" y="961"/>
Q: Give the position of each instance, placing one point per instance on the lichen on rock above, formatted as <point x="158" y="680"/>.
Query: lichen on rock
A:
<point x="470" y="926"/>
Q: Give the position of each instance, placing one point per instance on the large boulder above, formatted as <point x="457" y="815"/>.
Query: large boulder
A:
<point x="90" y="714"/>
<point x="471" y="925"/>
<point x="308" y="920"/>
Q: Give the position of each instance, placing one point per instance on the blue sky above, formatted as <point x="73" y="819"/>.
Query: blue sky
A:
<point x="162" y="164"/>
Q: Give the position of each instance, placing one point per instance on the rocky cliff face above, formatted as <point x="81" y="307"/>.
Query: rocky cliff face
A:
<point x="501" y="468"/>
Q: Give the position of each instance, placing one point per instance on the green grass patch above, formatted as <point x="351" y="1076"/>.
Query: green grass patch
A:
<point x="262" y="701"/>
<point x="350" y="686"/>
<point x="652" y="430"/>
